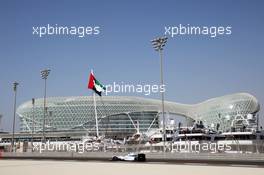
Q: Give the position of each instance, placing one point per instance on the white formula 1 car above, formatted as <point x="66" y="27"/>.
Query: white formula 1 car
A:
<point x="130" y="157"/>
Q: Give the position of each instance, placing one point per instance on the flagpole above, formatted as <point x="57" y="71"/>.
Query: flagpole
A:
<point x="105" y="114"/>
<point x="96" y="119"/>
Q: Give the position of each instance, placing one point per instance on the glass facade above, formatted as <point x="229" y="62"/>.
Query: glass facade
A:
<point x="223" y="110"/>
<point x="115" y="114"/>
<point x="119" y="115"/>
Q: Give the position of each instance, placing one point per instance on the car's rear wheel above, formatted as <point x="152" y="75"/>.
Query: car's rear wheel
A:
<point x="115" y="158"/>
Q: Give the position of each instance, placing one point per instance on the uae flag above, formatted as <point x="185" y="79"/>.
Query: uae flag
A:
<point x="95" y="85"/>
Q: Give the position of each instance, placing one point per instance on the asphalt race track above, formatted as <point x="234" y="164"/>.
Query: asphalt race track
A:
<point x="69" y="167"/>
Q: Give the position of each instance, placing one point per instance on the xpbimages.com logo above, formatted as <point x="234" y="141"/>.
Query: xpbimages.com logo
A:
<point x="122" y="87"/>
<point x="211" y="31"/>
<point x="52" y="30"/>
<point x="79" y="147"/>
<point x="186" y="146"/>
<point x="145" y="89"/>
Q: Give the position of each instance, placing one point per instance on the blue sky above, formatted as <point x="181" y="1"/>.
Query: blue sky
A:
<point x="195" y="68"/>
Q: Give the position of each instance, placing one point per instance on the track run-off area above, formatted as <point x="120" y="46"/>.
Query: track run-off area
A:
<point x="71" y="167"/>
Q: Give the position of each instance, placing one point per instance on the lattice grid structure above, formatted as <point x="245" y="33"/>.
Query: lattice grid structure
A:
<point x="119" y="114"/>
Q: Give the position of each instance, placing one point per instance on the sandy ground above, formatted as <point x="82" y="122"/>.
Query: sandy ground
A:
<point x="30" y="167"/>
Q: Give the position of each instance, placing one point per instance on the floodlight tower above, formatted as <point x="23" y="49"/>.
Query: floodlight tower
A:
<point x="15" y="84"/>
<point x="44" y="75"/>
<point x="158" y="44"/>
<point x="33" y="122"/>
